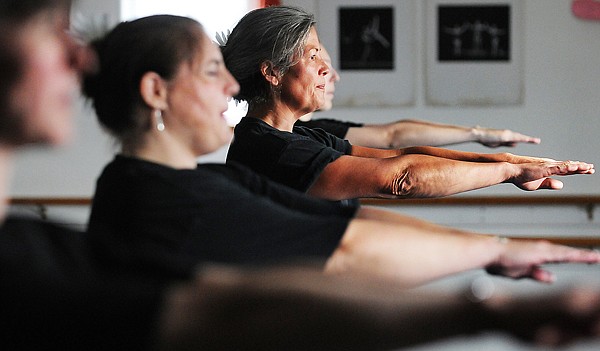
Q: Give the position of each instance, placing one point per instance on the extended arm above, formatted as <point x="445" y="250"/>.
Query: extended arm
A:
<point x="411" y="132"/>
<point x="298" y="308"/>
<point x="457" y="155"/>
<point x="419" y="176"/>
<point x="411" y="252"/>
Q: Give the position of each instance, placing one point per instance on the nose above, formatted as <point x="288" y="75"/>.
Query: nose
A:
<point x="232" y="87"/>
<point x="324" y="69"/>
<point x="334" y="74"/>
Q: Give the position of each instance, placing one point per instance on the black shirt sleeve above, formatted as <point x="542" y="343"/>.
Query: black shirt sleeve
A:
<point x="332" y="126"/>
<point x="293" y="159"/>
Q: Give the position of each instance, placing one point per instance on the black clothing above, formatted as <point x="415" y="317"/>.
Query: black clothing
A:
<point x="331" y="126"/>
<point x="53" y="296"/>
<point x="165" y="220"/>
<point x="294" y="159"/>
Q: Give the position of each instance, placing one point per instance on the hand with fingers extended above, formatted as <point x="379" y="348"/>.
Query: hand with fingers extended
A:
<point x="535" y="175"/>
<point x="502" y="137"/>
<point x="522" y="258"/>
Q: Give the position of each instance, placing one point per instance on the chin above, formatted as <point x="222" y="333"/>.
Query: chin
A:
<point x="57" y="134"/>
<point x="326" y="106"/>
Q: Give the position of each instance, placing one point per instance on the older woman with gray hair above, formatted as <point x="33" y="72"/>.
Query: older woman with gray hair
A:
<point x="275" y="55"/>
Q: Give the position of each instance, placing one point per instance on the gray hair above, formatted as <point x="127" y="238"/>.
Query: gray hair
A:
<point x="274" y="35"/>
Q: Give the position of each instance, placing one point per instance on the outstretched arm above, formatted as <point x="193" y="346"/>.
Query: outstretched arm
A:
<point x="411" y="252"/>
<point x="298" y="308"/>
<point x="457" y="155"/>
<point x="410" y="132"/>
<point x="420" y="176"/>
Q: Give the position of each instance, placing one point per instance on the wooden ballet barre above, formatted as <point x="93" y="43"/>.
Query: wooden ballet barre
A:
<point x="589" y="242"/>
<point x="51" y="201"/>
<point x="42" y="203"/>
<point x="575" y="200"/>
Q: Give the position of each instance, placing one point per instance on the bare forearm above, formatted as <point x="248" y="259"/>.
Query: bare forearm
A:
<point x="459" y="155"/>
<point x="410" y="255"/>
<point x="416" y="132"/>
<point x="418" y="176"/>
<point x="407" y="176"/>
<point x="409" y="132"/>
<point x="412" y="252"/>
<point x="297" y="308"/>
<point x="443" y="153"/>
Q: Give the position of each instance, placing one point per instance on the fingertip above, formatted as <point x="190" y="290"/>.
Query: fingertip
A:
<point x="553" y="184"/>
<point x="543" y="276"/>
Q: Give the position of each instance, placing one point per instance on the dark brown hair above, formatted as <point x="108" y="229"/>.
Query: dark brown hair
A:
<point x="157" y="44"/>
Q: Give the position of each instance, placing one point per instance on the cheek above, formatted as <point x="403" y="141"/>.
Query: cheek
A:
<point x="210" y="105"/>
<point x="54" y="104"/>
<point x="45" y="104"/>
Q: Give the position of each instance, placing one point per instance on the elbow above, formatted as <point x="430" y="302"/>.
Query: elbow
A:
<point x="401" y="184"/>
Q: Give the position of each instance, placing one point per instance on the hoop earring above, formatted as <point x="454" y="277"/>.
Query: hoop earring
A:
<point x="160" y="124"/>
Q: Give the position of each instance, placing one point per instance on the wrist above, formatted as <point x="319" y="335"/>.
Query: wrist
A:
<point x="477" y="133"/>
<point x="498" y="247"/>
<point x="510" y="171"/>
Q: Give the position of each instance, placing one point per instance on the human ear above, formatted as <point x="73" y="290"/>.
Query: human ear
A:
<point x="266" y="69"/>
<point x="153" y="90"/>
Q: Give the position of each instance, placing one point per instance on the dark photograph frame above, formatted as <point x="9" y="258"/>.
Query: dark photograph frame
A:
<point x="474" y="32"/>
<point x="366" y="39"/>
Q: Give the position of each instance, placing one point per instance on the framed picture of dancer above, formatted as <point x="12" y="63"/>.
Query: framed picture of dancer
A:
<point x="474" y="52"/>
<point x="366" y="38"/>
<point x="372" y="45"/>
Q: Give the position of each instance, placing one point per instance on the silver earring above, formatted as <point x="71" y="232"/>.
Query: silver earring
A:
<point x="160" y="124"/>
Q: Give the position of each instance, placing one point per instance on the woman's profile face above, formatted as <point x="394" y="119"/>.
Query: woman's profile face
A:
<point x="332" y="78"/>
<point x="197" y="99"/>
<point x="44" y="97"/>
<point x="303" y="86"/>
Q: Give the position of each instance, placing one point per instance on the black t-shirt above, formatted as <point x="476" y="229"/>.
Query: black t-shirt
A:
<point x="331" y="126"/>
<point x="293" y="159"/>
<point x="166" y="220"/>
<point x="54" y="296"/>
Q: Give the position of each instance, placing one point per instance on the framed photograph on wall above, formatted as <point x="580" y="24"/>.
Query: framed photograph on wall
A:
<point x="474" y="52"/>
<point x="366" y="39"/>
<point x="371" y="44"/>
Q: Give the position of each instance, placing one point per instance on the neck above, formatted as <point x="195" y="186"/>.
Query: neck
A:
<point x="307" y="117"/>
<point x="6" y="169"/>
<point x="280" y="117"/>
<point x="163" y="148"/>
